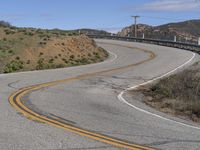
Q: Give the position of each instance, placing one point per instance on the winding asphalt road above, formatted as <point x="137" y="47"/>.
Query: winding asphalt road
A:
<point x="79" y="107"/>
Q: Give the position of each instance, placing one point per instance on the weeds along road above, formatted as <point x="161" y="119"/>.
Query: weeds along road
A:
<point x="78" y="107"/>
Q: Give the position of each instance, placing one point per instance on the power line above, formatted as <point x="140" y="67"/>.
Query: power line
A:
<point x="162" y="18"/>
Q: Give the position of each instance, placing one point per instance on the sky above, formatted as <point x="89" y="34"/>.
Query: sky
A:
<point x="110" y="15"/>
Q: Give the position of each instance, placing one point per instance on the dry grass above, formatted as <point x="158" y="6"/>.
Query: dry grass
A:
<point x="178" y="94"/>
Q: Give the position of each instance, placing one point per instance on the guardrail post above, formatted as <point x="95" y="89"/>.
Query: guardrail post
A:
<point x="143" y="35"/>
<point x="174" y="38"/>
<point x="199" y="41"/>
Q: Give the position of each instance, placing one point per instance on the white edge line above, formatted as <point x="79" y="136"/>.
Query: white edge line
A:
<point x="120" y="96"/>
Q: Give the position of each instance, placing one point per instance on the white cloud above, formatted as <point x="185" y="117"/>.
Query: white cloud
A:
<point x="171" y="5"/>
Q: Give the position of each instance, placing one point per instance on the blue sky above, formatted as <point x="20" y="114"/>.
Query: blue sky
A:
<point x="110" y="15"/>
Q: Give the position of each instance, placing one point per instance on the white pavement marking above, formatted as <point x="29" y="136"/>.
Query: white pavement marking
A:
<point x="120" y="96"/>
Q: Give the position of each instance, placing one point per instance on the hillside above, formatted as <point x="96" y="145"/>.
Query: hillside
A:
<point x="187" y="31"/>
<point x="91" y="31"/>
<point x="30" y="49"/>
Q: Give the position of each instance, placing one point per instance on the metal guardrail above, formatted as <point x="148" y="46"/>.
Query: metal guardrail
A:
<point x="186" y="46"/>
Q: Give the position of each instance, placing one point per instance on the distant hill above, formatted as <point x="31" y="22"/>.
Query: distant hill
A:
<point x="187" y="31"/>
<point x="4" y="24"/>
<point x="91" y="31"/>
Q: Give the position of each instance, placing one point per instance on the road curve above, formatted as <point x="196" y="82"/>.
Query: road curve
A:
<point x="83" y="101"/>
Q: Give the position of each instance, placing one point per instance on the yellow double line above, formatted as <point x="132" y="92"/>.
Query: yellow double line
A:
<point x="15" y="101"/>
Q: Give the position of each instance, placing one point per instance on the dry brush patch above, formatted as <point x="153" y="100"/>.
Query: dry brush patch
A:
<point x="178" y="94"/>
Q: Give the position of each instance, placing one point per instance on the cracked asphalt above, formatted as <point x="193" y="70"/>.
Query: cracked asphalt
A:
<point x="92" y="104"/>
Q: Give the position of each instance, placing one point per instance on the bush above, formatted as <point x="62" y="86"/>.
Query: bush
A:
<point x="17" y="58"/>
<point x="28" y="62"/>
<point x="41" y="53"/>
<point x="42" y="43"/>
<point x="84" y="61"/>
<point x="51" y="60"/>
<point x="13" y="66"/>
<point x="65" y="60"/>
<point x="72" y="56"/>
<point x="7" y="31"/>
<point x="10" y="51"/>
<point x="60" y="66"/>
<point x="40" y="64"/>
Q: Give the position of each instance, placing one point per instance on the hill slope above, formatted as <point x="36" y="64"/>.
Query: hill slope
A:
<point x="29" y="49"/>
<point x="187" y="31"/>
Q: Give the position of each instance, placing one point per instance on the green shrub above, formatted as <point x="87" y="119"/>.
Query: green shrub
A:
<point x="17" y="58"/>
<point x="28" y="62"/>
<point x="41" y="53"/>
<point x="7" y="31"/>
<point x="42" y="43"/>
<point x="60" y="66"/>
<point x="72" y="56"/>
<point x="65" y="60"/>
<point x="10" y="51"/>
<point x="13" y="66"/>
<point x="40" y="64"/>
<point x="29" y="33"/>
<point x="51" y="60"/>
<point x="84" y="61"/>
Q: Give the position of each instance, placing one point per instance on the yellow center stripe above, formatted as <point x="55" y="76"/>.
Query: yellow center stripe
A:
<point x="15" y="101"/>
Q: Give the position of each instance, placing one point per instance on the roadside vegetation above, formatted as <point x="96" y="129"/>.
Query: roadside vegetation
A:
<point x="24" y="49"/>
<point x="178" y="94"/>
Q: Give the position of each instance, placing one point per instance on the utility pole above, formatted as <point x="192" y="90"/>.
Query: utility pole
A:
<point x="135" y="18"/>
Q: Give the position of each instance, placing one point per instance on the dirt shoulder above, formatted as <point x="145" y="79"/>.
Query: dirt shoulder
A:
<point x="178" y="95"/>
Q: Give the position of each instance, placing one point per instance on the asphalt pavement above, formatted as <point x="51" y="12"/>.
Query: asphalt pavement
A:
<point x="89" y="101"/>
